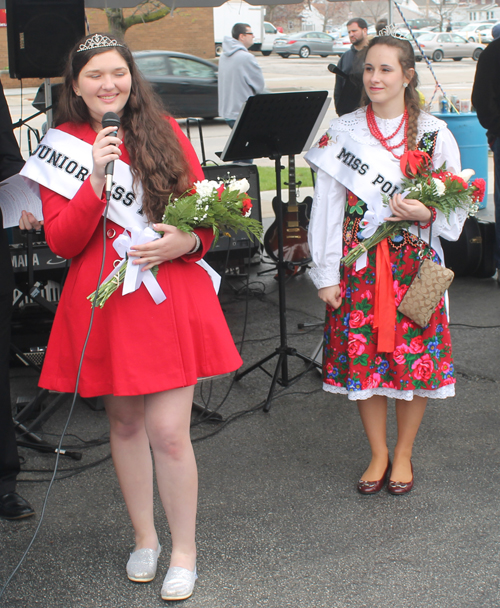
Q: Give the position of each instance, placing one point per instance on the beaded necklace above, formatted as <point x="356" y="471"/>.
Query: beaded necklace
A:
<point x="375" y="131"/>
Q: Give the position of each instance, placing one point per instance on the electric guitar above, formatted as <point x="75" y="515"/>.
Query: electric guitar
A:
<point x="295" y="223"/>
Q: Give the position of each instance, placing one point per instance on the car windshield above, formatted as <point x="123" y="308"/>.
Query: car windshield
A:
<point x="426" y="37"/>
<point x="152" y="65"/>
<point x="188" y="67"/>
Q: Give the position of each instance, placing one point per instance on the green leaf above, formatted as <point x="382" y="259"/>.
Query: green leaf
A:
<point x="361" y="360"/>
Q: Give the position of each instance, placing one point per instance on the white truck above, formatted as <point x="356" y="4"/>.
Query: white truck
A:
<point x="238" y="11"/>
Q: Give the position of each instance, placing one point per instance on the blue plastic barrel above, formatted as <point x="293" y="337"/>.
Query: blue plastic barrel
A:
<point x="471" y="139"/>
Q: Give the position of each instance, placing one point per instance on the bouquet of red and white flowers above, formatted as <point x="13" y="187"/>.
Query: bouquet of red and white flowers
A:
<point x="440" y="189"/>
<point x="219" y="205"/>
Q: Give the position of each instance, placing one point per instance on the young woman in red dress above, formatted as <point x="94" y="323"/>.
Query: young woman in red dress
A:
<point x="411" y="363"/>
<point x="143" y="358"/>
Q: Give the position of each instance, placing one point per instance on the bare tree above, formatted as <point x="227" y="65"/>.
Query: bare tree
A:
<point x="373" y="11"/>
<point x="444" y="10"/>
<point x="146" y="12"/>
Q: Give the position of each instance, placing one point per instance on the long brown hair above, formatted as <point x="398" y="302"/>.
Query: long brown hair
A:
<point x="412" y="101"/>
<point x="157" y="159"/>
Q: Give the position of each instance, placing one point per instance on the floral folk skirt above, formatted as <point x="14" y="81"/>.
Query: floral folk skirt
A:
<point x="421" y="364"/>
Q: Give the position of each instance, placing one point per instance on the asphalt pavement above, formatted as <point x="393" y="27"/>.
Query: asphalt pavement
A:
<point x="280" y="523"/>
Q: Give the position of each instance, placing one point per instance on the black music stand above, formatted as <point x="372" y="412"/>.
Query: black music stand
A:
<point x="272" y="126"/>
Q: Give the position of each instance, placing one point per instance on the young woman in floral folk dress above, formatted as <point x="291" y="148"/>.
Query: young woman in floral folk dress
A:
<point x="143" y="358"/>
<point x="371" y="351"/>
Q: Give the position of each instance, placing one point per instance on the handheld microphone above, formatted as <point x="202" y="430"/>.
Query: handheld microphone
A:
<point x="335" y="70"/>
<point x="110" y="119"/>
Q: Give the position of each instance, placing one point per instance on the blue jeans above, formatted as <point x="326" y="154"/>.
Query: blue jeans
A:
<point x="496" y="157"/>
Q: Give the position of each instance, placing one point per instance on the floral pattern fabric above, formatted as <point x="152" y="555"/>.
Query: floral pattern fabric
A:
<point x="422" y="358"/>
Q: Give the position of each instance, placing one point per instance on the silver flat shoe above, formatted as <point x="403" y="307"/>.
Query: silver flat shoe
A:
<point x="178" y="584"/>
<point x="141" y="566"/>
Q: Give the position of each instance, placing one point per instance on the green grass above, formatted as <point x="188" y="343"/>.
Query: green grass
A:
<point x="267" y="177"/>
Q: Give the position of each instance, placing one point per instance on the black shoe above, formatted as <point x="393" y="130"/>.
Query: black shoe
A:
<point x="12" y="506"/>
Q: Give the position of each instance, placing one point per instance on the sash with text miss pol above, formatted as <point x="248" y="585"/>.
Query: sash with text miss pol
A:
<point x="62" y="162"/>
<point x="367" y="172"/>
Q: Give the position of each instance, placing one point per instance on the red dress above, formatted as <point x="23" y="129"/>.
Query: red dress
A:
<point x="136" y="347"/>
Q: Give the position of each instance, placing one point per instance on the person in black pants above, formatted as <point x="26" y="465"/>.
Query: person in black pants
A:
<point x="12" y="506"/>
<point x="486" y="101"/>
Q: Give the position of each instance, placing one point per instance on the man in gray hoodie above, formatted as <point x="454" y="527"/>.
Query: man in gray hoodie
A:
<point x="239" y="73"/>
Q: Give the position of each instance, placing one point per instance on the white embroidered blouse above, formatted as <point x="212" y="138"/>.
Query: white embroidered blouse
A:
<point x="327" y="215"/>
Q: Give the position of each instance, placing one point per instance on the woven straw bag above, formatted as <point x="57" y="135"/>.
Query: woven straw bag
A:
<point x="426" y="290"/>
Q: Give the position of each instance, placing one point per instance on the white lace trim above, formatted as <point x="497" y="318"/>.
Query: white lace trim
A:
<point x="355" y="123"/>
<point x="324" y="277"/>
<point x="392" y="393"/>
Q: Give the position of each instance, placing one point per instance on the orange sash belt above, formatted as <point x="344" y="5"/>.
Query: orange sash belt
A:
<point x="384" y="318"/>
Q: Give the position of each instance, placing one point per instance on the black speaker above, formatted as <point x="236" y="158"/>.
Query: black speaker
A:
<point x="464" y="255"/>
<point x="238" y="244"/>
<point x="40" y="34"/>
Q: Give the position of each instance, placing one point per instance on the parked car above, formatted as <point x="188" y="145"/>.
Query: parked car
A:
<point x="187" y="85"/>
<point x="441" y="45"/>
<point x="423" y="23"/>
<point x="477" y="32"/>
<point x="304" y="44"/>
<point x="341" y="45"/>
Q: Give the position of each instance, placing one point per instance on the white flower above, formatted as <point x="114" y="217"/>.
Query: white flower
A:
<point x="440" y="187"/>
<point x="466" y="174"/>
<point x="242" y="185"/>
<point x="205" y="188"/>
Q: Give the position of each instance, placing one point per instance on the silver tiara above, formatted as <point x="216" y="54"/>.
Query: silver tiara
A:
<point x="392" y="30"/>
<point x="97" y="41"/>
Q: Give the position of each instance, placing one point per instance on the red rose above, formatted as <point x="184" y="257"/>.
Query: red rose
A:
<point x="220" y="190"/>
<point x="192" y="191"/>
<point x="324" y="141"/>
<point x="357" y="319"/>
<point x="480" y="186"/>
<point x="423" y="368"/>
<point x="373" y="381"/>
<point x="413" y="162"/>
<point x="417" y="345"/>
<point x="462" y="182"/>
<point x="399" y="354"/>
<point x="246" y="206"/>
<point x="356" y="345"/>
<point x="352" y="199"/>
<point x="400" y="293"/>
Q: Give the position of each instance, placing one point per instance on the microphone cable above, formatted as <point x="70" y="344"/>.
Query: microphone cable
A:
<point x="75" y="394"/>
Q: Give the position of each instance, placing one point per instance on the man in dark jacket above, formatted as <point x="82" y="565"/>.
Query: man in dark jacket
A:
<point x="12" y="506"/>
<point x="486" y="101"/>
<point x="347" y="93"/>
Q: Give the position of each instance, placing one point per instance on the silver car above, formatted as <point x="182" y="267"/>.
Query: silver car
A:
<point x="440" y="45"/>
<point x="304" y="44"/>
<point x="477" y="32"/>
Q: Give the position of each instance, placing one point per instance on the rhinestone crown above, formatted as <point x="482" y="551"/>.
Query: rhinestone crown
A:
<point x="392" y="30"/>
<point x="97" y="41"/>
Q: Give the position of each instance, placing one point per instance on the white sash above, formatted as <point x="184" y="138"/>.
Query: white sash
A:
<point x="368" y="176"/>
<point x="62" y="162"/>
